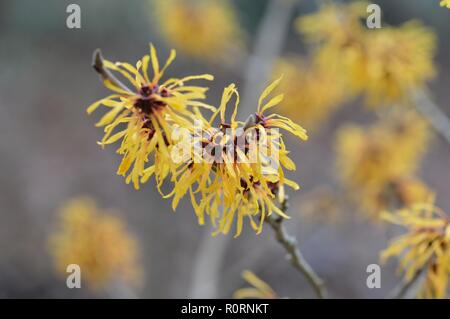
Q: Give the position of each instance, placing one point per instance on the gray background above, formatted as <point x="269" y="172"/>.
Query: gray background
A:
<point x="49" y="154"/>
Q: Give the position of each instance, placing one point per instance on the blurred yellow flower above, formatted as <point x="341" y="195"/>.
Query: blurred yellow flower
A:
<point x="445" y="3"/>
<point x="199" y="28"/>
<point x="337" y="38"/>
<point x="97" y="242"/>
<point x="334" y="24"/>
<point x="259" y="289"/>
<point x="424" y="248"/>
<point x="398" y="60"/>
<point x="149" y="112"/>
<point x="311" y="92"/>
<point x="384" y="64"/>
<point x="370" y="161"/>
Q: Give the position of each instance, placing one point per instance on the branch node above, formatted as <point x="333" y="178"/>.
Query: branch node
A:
<point x="99" y="67"/>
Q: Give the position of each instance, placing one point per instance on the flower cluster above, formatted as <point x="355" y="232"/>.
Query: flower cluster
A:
<point x="377" y="165"/>
<point x="384" y="64"/>
<point x="96" y="241"/>
<point x="233" y="171"/>
<point x="424" y="249"/>
<point x="241" y="183"/>
<point x="199" y="28"/>
<point x="150" y="112"/>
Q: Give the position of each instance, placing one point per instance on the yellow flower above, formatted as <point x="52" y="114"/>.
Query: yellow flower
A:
<point x="149" y="112"/>
<point x="424" y="248"/>
<point x="370" y="161"/>
<point x="275" y="120"/>
<point x="384" y="64"/>
<point x="312" y="92"/>
<point x="199" y="28"/>
<point x="334" y="24"/>
<point x="398" y="60"/>
<point x="338" y="38"/>
<point x="445" y="3"/>
<point x="259" y="289"/>
<point x="239" y="180"/>
<point x="97" y="242"/>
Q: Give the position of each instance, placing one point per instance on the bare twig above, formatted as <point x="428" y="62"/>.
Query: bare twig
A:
<point x="98" y="65"/>
<point x="432" y="113"/>
<point x="298" y="261"/>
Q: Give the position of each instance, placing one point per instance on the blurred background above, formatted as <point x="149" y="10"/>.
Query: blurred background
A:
<point x="49" y="153"/>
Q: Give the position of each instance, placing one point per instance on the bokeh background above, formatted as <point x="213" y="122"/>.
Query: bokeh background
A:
<point x="49" y="155"/>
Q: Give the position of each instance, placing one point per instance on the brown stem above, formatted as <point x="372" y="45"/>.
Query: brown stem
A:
<point x="97" y="64"/>
<point x="296" y="257"/>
